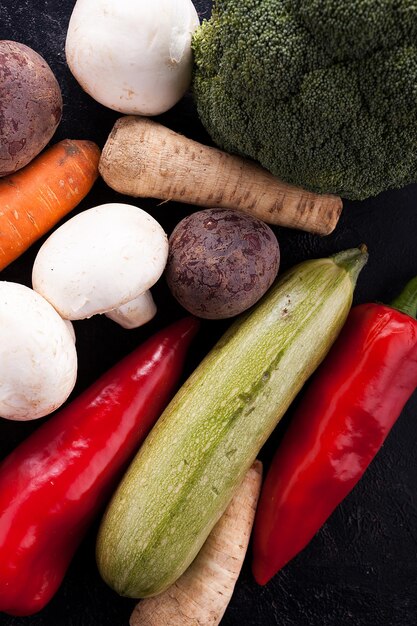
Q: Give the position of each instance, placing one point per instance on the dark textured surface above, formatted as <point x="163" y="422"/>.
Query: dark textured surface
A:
<point x="361" y="569"/>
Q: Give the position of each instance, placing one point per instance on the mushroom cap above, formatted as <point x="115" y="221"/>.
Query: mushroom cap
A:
<point x="99" y="260"/>
<point x="134" y="57"/>
<point x="37" y="355"/>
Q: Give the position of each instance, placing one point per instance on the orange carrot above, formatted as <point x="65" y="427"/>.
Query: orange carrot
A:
<point x="36" y="197"/>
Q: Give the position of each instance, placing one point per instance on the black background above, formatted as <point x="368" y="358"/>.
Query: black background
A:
<point x="361" y="568"/>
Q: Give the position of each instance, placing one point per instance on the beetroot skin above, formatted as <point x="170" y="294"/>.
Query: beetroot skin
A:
<point x="221" y="262"/>
<point x="30" y="105"/>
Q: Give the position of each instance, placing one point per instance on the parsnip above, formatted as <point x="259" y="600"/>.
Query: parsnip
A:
<point x="144" y="159"/>
<point x="201" y="595"/>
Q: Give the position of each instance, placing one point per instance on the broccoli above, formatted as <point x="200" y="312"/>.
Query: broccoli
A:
<point x="322" y="93"/>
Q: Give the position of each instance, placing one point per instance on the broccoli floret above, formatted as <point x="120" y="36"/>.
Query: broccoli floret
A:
<point x="322" y="93"/>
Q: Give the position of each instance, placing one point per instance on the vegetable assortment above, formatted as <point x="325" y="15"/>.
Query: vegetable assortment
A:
<point x="54" y="484"/>
<point x="177" y="528"/>
<point x="190" y="465"/>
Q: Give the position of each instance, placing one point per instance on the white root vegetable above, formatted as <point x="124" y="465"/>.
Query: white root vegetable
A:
<point x="201" y="595"/>
<point x="142" y="158"/>
<point x="133" y="56"/>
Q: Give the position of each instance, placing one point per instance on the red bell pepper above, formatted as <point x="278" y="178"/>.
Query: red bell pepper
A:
<point x="339" y="426"/>
<point x="55" y="482"/>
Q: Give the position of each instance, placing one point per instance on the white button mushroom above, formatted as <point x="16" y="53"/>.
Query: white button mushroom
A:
<point x="100" y="260"/>
<point x="38" y="359"/>
<point x="133" y="56"/>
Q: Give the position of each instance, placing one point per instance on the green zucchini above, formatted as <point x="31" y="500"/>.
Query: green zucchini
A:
<point x="186" y="472"/>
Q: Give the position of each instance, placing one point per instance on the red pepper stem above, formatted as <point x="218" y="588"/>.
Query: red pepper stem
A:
<point x="406" y="302"/>
<point x="352" y="261"/>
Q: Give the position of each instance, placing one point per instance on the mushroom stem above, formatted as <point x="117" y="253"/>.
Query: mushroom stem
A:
<point x="134" y="313"/>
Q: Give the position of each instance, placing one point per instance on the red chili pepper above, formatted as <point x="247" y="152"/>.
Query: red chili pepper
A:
<point x="55" y="482"/>
<point x="339" y="426"/>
